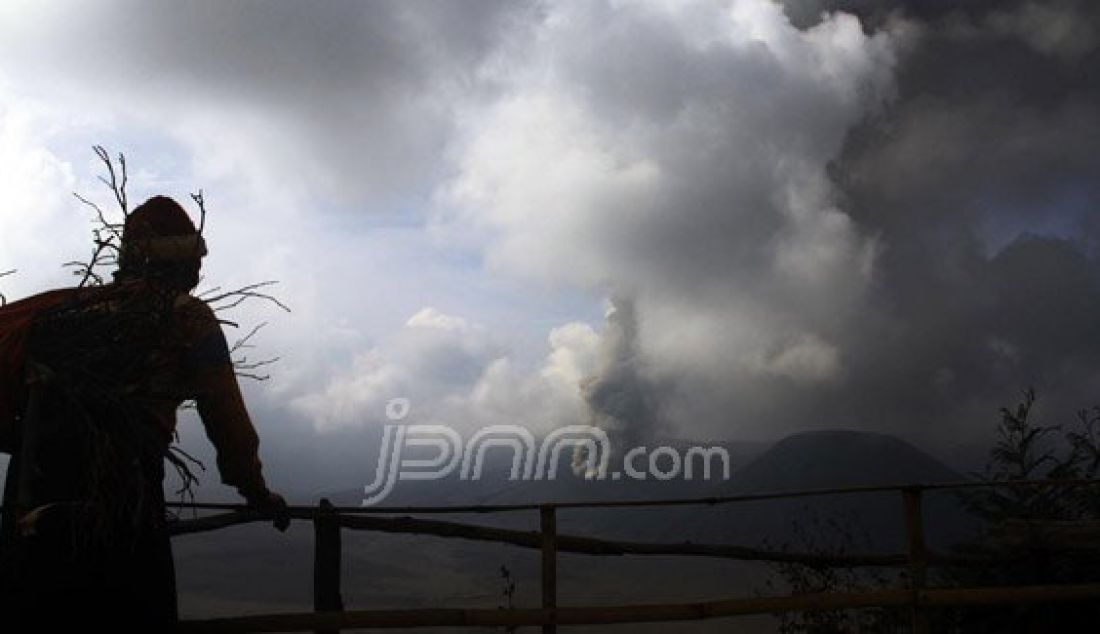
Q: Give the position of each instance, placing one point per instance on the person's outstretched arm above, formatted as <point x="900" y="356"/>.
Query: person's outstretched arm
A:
<point x="225" y="417"/>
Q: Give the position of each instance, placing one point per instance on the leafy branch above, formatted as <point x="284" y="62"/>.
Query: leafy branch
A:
<point x="1032" y="534"/>
<point x="1026" y="450"/>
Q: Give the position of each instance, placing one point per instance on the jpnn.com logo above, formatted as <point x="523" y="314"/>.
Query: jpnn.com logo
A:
<point x="590" y="448"/>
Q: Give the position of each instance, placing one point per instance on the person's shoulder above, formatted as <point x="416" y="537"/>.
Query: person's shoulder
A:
<point x="189" y="303"/>
<point x="195" y="308"/>
<point x="202" y="331"/>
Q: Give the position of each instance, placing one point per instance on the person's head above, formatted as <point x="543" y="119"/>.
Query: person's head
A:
<point x="160" y="243"/>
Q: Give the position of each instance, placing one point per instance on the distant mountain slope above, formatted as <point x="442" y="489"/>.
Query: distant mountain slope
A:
<point x="823" y="460"/>
<point x="495" y="487"/>
<point x="832" y="459"/>
<point x="810" y="460"/>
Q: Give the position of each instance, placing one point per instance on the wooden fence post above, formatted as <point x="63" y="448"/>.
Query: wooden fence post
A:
<point x="326" y="561"/>
<point x="549" y="525"/>
<point x="918" y="555"/>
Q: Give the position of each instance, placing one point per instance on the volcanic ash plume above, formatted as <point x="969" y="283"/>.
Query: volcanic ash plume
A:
<point x="620" y="398"/>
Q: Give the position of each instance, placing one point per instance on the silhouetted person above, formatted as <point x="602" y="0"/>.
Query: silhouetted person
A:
<point x="101" y="372"/>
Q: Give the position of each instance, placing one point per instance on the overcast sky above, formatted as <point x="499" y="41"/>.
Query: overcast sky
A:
<point x="721" y="219"/>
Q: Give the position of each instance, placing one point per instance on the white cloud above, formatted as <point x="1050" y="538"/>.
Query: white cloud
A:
<point x="456" y="373"/>
<point x="677" y="154"/>
<point x="431" y="318"/>
<point x="37" y="189"/>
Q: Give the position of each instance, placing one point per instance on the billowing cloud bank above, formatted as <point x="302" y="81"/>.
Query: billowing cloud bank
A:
<point x="884" y="225"/>
<point x="676" y="155"/>
<point x="814" y="214"/>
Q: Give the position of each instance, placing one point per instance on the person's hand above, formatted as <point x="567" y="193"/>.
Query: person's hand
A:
<point x="273" y="504"/>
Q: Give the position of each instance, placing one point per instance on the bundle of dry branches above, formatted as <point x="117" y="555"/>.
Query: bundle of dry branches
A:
<point x="86" y="347"/>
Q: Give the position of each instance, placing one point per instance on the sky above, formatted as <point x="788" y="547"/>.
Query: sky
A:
<point x="726" y="219"/>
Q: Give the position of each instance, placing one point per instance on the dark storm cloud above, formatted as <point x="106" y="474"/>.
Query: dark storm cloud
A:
<point x="983" y="182"/>
<point x="945" y="261"/>
<point x="354" y="97"/>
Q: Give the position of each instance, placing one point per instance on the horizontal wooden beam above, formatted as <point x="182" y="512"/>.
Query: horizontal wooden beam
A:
<point x="594" y="546"/>
<point x="710" y="500"/>
<point x="566" y="543"/>
<point x="602" y="615"/>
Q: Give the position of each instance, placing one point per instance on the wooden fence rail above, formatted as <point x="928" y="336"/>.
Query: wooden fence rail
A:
<point x="329" y="614"/>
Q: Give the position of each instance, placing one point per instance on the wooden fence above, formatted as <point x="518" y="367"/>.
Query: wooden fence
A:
<point x="329" y="614"/>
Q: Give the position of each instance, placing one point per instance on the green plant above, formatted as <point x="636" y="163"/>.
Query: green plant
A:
<point x="1031" y="535"/>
